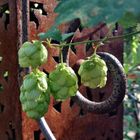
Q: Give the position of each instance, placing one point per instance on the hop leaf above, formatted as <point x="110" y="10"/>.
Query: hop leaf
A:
<point x="92" y="12"/>
<point x="32" y="54"/>
<point x="93" y="72"/>
<point x="34" y="94"/>
<point x="63" y="82"/>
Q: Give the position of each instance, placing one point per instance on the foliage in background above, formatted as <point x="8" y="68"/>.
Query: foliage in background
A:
<point x="92" y="12"/>
<point x="132" y="100"/>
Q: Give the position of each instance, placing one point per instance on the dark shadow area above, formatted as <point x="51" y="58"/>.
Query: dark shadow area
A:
<point x="5" y="14"/>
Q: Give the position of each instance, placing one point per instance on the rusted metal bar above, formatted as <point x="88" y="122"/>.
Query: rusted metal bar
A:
<point x="25" y="20"/>
<point x="10" y="114"/>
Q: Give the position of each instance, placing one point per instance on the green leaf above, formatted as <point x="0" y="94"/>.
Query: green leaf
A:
<point x="129" y="20"/>
<point x="66" y="36"/>
<point x="53" y="33"/>
<point x="91" y="12"/>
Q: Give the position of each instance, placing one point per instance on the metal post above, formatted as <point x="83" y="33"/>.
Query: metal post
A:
<point x="45" y="129"/>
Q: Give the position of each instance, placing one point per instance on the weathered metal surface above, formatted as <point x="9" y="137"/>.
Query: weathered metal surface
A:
<point x="66" y="120"/>
<point x="100" y="127"/>
<point x="10" y="112"/>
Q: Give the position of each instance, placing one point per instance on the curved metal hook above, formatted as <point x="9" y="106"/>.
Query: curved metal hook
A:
<point x="119" y="88"/>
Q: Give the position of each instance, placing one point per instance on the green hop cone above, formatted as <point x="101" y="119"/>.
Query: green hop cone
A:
<point x="32" y="54"/>
<point x="93" y="72"/>
<point x="35" y="95"/>
<point x="63" y="82"/>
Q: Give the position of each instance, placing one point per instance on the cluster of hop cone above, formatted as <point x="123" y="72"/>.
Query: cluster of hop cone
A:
<point x="61" y="83"/>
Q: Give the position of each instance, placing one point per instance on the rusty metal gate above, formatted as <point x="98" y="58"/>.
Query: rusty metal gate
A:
<point x="22" y="20"/>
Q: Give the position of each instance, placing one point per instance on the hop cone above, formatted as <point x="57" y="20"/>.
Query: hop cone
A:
<point x="32" y="54"/>
<point x="93" y="72"/>
<point x="34" y="94"/>
<point x="63" y="82"/>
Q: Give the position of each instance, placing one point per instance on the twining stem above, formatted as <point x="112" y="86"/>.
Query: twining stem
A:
<point x="98" y="41"/>
<point x="100" y="44"/>
<point x="101" y="40"/>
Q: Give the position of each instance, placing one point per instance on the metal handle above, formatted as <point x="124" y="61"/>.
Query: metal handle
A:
<point x="119" y="88"/>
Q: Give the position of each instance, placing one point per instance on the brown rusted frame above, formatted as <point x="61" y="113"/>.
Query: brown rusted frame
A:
<point x="10" y="118"/>
<point x="49" y="116"/>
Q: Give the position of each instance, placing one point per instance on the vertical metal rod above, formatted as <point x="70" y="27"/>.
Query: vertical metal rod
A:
<point x="45" y="129"/>
<point x="25" y="25"/>
<point x="25" y="17"/>
<point x="25" y="36"/>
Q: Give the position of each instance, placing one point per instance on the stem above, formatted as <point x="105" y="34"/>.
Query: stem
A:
<point x="95" y="50"/>
<point x="34" y="70"/>
<point x="100" y="43"/>
<point x="61" y="56"/>
<point x="100" y="40"/>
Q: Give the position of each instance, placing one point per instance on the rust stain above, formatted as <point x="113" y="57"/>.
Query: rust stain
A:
<point x="10" y="115"/>
<point x="71" y="123"/>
